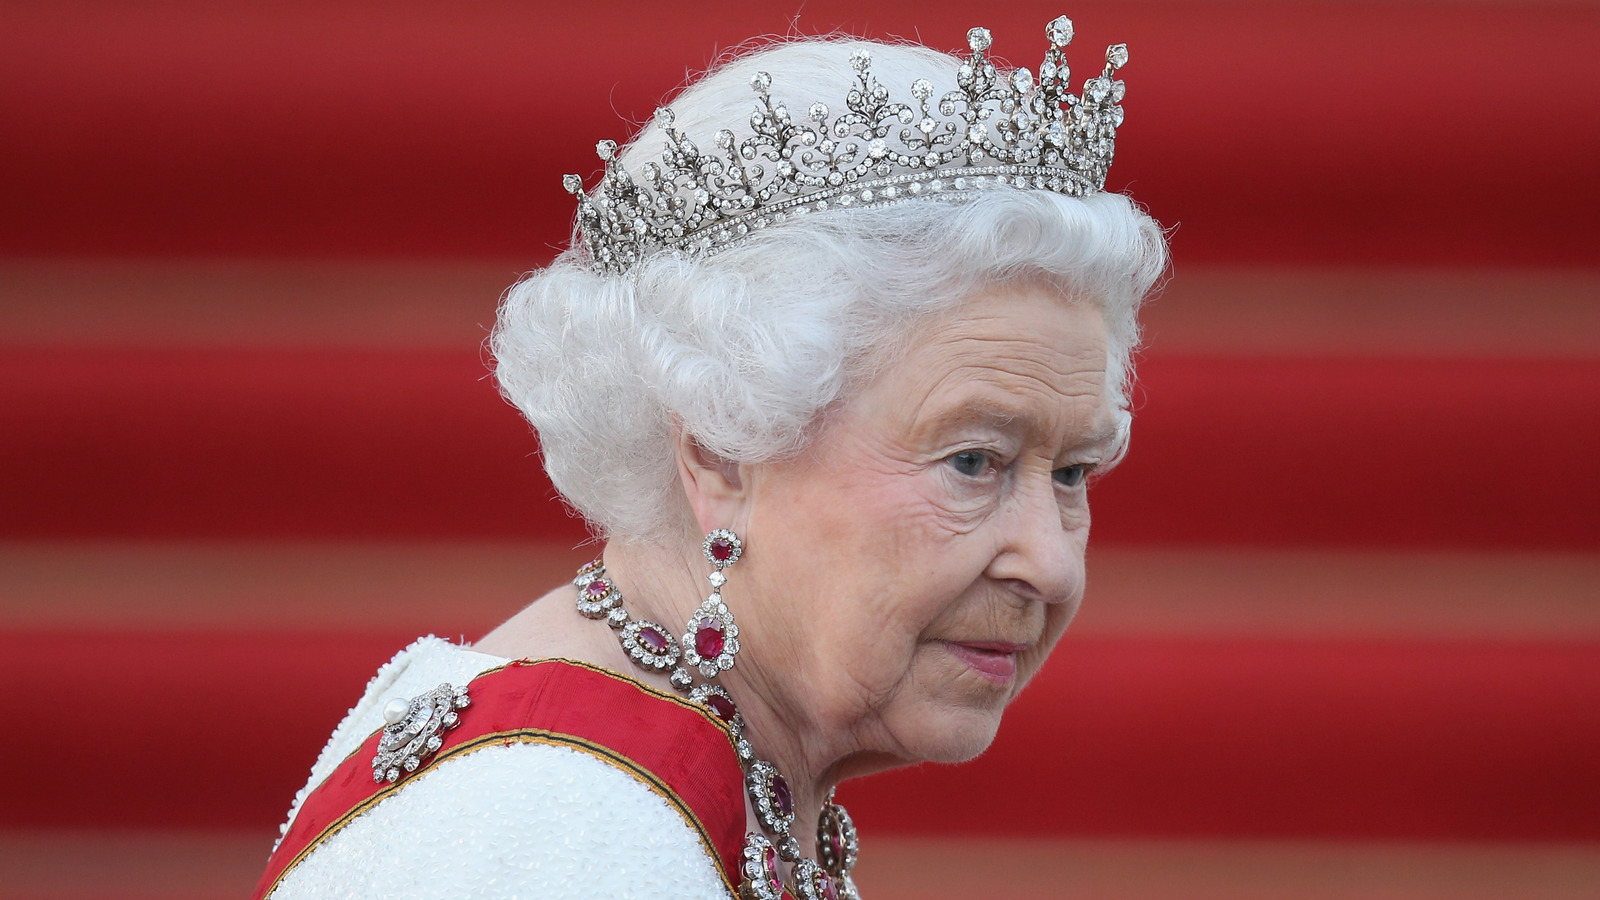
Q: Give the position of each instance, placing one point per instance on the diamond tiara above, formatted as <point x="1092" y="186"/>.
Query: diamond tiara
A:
<point x="1012" y="130"/>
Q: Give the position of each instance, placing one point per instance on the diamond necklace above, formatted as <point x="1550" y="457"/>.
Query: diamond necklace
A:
<point x="652" y="648"/>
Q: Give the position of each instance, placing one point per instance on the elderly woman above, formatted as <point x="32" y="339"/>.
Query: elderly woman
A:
<point x="842" y="340"/>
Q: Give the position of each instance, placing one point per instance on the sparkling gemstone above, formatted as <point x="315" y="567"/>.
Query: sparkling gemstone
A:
<point x="723" y="707"/>
<point x="1118" y="91"/>
<point x="922" y="89"/>
<point x="761" y="81"/>
<point x="769" y="864"/>
<point x="1022" y="81"/>
<point x="708" y="639"/>
<point x="1059" y="31"/>
<point x="1117" y="55"/>
<point x="828" y="892"/>
<point x="597" y="588"/>
<point x="977" y="132"/>
<point x="606" y="149"/>
<point x="781" y="798"/>
<point x="877" y="149"/>
<point x="860" y="60"/>
<point x="979" y="39"/>
<point x="664" y="117"/>
<point x="653" y="640"/>
<point x="572" y="183"/>
<point x="717" y="579"/>
<point x="819" y="111"/>
<point x="722" y="549"/>
<point x="724" y="139"/>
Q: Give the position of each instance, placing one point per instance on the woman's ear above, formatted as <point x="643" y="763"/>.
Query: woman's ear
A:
<point x="714" y="486"/>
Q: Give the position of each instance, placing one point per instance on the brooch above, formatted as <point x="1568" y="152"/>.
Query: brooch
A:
<point x="413" y="730"/>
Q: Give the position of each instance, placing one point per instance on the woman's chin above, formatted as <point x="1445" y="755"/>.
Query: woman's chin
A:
<point x="952" y="735"/>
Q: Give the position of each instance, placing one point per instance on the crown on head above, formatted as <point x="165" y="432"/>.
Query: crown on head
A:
<point x="992" y="129"/>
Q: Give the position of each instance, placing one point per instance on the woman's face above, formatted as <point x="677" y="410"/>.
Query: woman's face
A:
<point x="913" y="568"/>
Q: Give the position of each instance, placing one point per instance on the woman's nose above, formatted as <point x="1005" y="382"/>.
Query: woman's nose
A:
<point x="1041" y="545"/>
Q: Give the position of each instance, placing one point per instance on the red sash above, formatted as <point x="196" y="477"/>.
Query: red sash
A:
<point x="678" y="749"/>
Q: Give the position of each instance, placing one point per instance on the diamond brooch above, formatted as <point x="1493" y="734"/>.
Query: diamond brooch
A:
<point x="413" y="731"/>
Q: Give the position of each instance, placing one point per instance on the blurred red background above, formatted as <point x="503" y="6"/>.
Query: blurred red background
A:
<point x="1343" y="630"/>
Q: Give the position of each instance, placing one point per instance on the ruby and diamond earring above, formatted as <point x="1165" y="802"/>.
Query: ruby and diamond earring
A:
<point x="711" y="639"/>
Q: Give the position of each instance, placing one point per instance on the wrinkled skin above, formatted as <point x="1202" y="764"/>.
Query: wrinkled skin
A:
<point x="907" y="573"/>
<point x="944" y="505"/>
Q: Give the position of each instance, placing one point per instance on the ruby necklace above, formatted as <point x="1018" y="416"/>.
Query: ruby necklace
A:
<point x="709" y="645"/>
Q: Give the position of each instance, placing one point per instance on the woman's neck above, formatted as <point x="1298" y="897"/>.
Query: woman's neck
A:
<point x="665" y="585"/>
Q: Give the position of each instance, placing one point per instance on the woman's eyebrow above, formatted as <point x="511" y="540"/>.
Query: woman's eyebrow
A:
<point x="984" y="412"/>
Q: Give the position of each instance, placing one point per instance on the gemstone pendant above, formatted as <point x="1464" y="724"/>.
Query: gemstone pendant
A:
<point x="811" y="883"/>
<point x="711" y="639"/>
<point x="769" y="794"/>
<point x="649" y="645"/>
<point x="598" y="597"/>
<point x="759" y="865"/>
<point x="837" y="842"/>
<point x="714" y="698"/>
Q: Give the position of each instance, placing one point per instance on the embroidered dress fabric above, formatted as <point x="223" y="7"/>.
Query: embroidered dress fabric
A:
<point x="523" y="820"/>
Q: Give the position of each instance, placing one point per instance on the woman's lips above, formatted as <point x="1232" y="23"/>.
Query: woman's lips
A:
<point x="994" y="660"/>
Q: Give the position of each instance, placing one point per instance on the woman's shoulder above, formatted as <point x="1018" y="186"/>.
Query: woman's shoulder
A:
<point x="512" y="818"/>
<point x="423" y="665"/>
<point x="526" y="820"/>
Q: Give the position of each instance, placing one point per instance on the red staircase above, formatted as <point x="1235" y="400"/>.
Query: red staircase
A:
<point x="248" y="448"/>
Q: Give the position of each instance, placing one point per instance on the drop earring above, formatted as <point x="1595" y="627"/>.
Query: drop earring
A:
<point x="711" y="639"/>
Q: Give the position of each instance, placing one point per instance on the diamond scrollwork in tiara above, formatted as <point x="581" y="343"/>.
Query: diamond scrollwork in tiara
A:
<point x="1013" y="129"/>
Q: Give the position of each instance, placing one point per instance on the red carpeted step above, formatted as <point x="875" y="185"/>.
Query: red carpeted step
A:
<point x="1311" y="738"/>
<point x="1256" y="738"/>
<point x="1270" y="131"/>
<point x="102" y="442"/>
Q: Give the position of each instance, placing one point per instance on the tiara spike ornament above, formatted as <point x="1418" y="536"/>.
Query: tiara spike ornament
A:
<point x="995" y="129"/>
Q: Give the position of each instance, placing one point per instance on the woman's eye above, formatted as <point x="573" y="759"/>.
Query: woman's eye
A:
<point x="971" y="463"/>
<point x="1071" y="476"/>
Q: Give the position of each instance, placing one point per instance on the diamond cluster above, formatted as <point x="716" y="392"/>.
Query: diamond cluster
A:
<point x="414" y="731"/>
<point x="995" y="128"/>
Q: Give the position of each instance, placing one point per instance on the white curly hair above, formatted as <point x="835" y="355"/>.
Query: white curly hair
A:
<point x="745" y="349"/>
